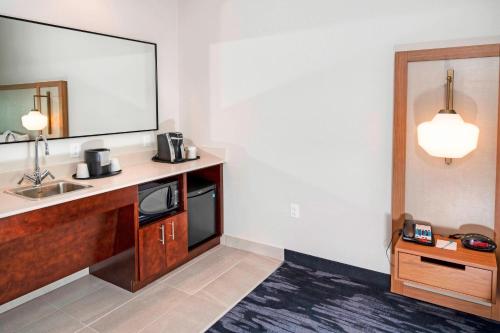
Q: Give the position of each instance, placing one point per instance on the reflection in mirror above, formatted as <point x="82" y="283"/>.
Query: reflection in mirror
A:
<point x="47" y="97"/>
<point x="85" y="83"/>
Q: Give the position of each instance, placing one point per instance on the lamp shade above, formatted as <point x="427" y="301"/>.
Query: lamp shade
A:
<point x="34" y="121"/>
<point x="448" y="136"/>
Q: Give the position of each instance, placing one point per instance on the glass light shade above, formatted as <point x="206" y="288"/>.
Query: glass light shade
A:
<point x="448" y="136"/>
<point x="34" y="121"/>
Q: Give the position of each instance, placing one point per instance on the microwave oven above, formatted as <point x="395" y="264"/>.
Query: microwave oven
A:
<point x="157" y="199"/>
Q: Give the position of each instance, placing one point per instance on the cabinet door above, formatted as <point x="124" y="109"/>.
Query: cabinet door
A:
<point x="152" y="250"/>
<point x="177" y="239"/>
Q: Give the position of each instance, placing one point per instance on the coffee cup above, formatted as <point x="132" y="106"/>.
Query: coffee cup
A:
<point x="115" y="165"/>
<point x="82" y="170"/>
<point x="191" y="152"/>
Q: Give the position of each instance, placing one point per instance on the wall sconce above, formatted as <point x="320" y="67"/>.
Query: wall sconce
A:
<point x="447" y="135"/>
<point x="34" y="120"/>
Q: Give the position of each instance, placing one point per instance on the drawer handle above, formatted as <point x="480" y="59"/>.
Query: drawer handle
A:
<point x="162" y="229"/>
<point x="442" y="263"/>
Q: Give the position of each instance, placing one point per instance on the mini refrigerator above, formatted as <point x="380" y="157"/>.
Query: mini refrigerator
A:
<point x="202" y="203"/>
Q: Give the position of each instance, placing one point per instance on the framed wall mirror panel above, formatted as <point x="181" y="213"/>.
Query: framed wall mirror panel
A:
<point x="85" y="83"/>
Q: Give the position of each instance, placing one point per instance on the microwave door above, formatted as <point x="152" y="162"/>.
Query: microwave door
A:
<point x="169" y="198"/>
<point x="154" y="202"/>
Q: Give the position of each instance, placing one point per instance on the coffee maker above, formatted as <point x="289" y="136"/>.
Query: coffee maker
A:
<point x="98" y="161"/>
<point x="171" y="147"/>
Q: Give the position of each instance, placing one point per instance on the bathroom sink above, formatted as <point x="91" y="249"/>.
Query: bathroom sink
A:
<point x="47" y="190"/>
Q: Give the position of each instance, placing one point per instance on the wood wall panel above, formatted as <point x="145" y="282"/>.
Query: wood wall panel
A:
<point x="399" y="139"/>
<point x="496" y="307"/>
<point x="461" y="52"/>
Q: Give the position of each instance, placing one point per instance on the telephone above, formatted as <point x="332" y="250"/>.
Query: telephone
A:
<point x="418" y="232"/>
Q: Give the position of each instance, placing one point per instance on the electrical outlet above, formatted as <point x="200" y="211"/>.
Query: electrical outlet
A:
<point x="295" y="210"/>
<point x="74" y="150"/>
<point x="147" y="141"/>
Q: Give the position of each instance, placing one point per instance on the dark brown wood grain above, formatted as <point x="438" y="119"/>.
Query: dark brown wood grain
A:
<point x="101" y="232"/>
<point x="199" y="250"/>
<point x="19" y="226"/>
<point x="177" y="239"/>
<point x="152" y="251"/>
<point x="183" y="191"/>
<point x="120" y="268"/>
<point x="45" y="245"/>
<point x="157" y="252"/>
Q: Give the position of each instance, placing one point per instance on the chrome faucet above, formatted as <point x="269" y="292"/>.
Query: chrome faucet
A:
<point x="38" y="176"/>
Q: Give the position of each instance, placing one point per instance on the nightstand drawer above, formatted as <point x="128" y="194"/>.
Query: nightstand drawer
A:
<point x="446" y="275"/>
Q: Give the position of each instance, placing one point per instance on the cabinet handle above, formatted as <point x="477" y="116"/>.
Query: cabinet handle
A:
<point x="162" y="239"/>
<point x="173" y="230"/>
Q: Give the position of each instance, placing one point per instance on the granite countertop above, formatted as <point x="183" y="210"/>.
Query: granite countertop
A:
<point x="131" y="175"/>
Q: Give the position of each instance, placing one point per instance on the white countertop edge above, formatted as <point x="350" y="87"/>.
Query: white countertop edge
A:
<point x="31" y="205"/>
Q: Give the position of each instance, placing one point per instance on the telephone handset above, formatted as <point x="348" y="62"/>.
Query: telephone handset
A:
<point x="418" y="232"/>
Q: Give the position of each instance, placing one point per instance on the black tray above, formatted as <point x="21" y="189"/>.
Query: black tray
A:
<point x="156" y="159"/>
<point x="114" y="173"/>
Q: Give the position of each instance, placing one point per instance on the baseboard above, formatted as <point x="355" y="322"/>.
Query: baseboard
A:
<point x="250" y="246"/>
<point x="376" y="279"/>
<point x="44" y="290"/>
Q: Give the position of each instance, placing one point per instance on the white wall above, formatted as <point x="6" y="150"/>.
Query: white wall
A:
<point x="149" y="20"/>
<point x="300" y="94"/>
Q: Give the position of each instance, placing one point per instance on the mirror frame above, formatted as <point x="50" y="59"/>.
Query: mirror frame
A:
<point x="105" y="35"/>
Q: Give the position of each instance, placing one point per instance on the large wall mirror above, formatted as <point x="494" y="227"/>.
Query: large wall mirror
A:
<point x="85" y="83"/>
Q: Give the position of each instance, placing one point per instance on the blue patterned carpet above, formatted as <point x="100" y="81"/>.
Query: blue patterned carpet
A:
<point x="301" y="299"/>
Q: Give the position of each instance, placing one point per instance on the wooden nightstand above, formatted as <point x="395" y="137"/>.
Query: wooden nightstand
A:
<point x="463" y="279"/>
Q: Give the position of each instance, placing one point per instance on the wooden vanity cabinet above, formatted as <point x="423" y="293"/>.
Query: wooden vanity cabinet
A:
<point x="152" y="253"/>
<point x="177" y="239"/>
<point x="101" y="232"/>
<point x="45" y="245"/>
<point x="162" y="245"/>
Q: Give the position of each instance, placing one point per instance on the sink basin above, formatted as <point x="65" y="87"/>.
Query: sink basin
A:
<point x="47" y="190"/>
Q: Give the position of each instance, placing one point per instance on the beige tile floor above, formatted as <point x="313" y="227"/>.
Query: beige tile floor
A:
<point x="189" y="299"/>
